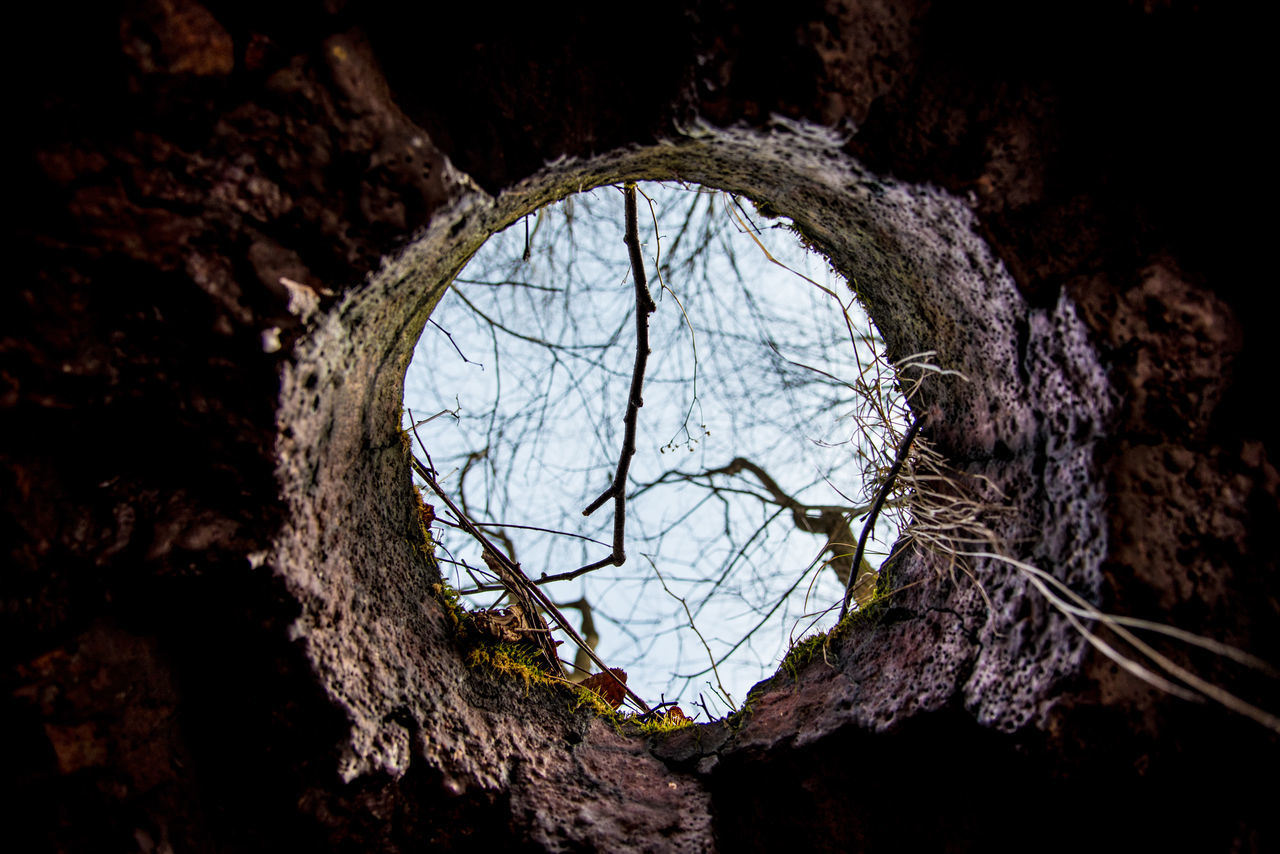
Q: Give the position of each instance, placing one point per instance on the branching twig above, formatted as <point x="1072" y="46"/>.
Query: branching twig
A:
<point x="710" y="656"/>
<point x="644" y="307"/>
<point x="831" y="521"/>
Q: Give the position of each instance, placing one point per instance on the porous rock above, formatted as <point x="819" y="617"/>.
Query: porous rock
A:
<point x="220" y="632"/>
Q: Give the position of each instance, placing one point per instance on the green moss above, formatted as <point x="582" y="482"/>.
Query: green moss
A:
<point x="660" y="724"/>
<point x="625" y="722"/>
<point x="870" y="613"/>
<point x="585" y="698"/>
<point x="424" y="516"/>
<point x="448" y="597"/>
<point x="521" y="661"/>
<point x="406" y="441"/>
<point x="804" y="651"/>
<point x="511" y="660"/>
<point x="873" y="610"/>
<point x="738" y="718"/>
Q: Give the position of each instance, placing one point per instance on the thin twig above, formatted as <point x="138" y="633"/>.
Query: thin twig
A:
<point x="885" y="489"/>
<point x="710" y="655"/>
<point x="555" y="531"/>
<point x="454" y="343"/>
<point x="510" y="283"/>
<point x="693" y="337"/>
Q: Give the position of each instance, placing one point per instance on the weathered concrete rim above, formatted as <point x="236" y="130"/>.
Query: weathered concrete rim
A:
<point x="368" y="622"/>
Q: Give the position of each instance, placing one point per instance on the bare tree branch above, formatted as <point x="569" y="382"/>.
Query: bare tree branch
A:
<point x="831" y="521"/>
<point x="544" y="417"/>
<point x="521" y="589"/>
<point x="644" y="307"/>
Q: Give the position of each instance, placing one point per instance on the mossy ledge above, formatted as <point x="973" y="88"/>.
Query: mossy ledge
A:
<point x="822" y="645"/>
<point x="516" y="661"/>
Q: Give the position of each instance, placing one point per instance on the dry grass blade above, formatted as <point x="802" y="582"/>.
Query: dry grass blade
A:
<point x="952" y="523"/>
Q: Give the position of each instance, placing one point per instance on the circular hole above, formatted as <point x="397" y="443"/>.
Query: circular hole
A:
<point x="769" y="413"/>
<point x="351" y="538"/>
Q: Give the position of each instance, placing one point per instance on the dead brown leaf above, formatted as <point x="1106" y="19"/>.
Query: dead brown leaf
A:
<point x="608" y="687"/>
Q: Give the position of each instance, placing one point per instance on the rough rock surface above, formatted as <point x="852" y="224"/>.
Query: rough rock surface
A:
<point x="219" y="629"/>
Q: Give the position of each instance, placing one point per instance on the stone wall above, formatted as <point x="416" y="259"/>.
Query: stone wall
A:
<point x="233" y="223"/>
